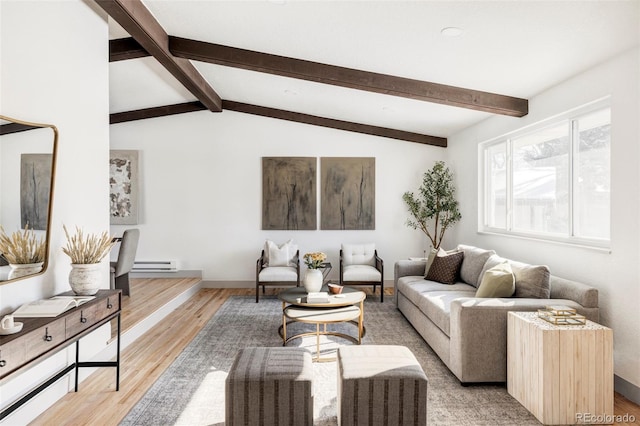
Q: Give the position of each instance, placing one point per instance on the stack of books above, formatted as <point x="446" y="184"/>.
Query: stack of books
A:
<point x="319" y="297"/>
<point x="561" y="315"/>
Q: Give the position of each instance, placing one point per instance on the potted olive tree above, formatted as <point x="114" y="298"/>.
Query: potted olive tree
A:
<point x="435" y="208"/>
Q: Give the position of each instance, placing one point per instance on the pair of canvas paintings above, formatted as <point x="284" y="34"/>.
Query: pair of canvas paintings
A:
<point x="347" y="193"/>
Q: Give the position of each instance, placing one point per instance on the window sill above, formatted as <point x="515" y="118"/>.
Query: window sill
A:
<point x="575" y="244"/>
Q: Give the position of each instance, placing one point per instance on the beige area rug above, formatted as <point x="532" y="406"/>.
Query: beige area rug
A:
<point x="191" y="391"/>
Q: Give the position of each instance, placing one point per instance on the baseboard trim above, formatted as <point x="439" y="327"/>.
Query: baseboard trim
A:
<point x="228" y="284"/>
<point x="196" y="273"/>
<point x="627" y="389"/>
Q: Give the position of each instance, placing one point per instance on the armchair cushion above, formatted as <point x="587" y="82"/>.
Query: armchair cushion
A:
<point x="280" y="255"/>
<point x="360" y="273"/>
<point x="278" y="273"/>
<point x="359" y="254"/>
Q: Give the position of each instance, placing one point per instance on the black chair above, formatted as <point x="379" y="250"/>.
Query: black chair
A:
<point x="276" y="275"/>
<point x="361" y="265"/>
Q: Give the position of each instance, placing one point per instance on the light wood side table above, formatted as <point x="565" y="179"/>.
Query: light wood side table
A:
<point x="561" y="374"/>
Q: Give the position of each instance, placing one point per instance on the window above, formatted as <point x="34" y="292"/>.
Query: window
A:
<point x="551" y="180"/>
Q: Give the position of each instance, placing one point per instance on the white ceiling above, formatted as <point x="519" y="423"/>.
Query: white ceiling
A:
<point x="515" y="48"/>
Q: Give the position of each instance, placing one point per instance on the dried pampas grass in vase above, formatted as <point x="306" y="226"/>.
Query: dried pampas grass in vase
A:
<point x="22" y="247"/>
<point x="86" y="249"/>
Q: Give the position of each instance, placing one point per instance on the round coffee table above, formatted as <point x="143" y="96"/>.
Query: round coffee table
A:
<point x="345" y="307"/>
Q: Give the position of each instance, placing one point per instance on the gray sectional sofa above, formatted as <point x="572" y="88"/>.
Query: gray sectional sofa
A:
<point x="469" y="334"/>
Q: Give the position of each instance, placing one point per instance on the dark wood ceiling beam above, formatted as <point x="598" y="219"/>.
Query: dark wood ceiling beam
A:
<point x="125" y="48"/>
<point x="141" y="114"/>
<point x="333" y="124"/>
<point x="348" y="77"/>
<point x="138" y="21"/>
<point x="161" y="111"/>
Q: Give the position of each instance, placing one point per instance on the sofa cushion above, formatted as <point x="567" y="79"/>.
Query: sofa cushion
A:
<point x="436" y="305"/>
<point x="413" y="286"/>
<point x="498" y="281"/>
<point x="472" y="263"/>
<point x="532" y="281"/>
<point x="445" y="267"/>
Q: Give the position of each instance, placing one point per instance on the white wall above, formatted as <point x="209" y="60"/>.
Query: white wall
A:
<point x="615" y="274"/>
<point x="61" y="78"/>
<point x="201" y="198"/>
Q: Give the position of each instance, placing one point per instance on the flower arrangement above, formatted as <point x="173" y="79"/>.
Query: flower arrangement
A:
<point x="87" y="248"/>
<point x="22" y="247"/>
<point x="314" y="260"/>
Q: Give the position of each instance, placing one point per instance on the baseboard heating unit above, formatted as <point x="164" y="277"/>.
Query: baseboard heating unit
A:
<point x="155" y="266"/>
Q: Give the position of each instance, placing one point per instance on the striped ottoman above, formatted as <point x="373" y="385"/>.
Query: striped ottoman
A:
<point x="270" y="386"/>
<point x="380" y="385"/>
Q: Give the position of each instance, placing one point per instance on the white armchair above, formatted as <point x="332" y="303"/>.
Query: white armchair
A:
<point x="278" y="265"/>
<point x="361" y="265"/>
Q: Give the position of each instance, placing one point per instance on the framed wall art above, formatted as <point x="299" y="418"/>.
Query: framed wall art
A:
<point x="35" y="187"/>
<point x="347" y="198"/>
<point x="289" y="193"/>
<point x="123" y="187"/>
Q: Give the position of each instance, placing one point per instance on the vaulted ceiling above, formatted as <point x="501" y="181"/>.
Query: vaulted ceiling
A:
<point x="383" y="68"/>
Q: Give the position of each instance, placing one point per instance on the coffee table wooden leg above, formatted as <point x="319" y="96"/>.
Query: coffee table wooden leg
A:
<point x="318" y="341"/>
<point x="360" y="321"/>
<point x="284" y="329"/>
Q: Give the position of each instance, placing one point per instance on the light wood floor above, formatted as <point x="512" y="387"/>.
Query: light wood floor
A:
<point x="146" y="359"/>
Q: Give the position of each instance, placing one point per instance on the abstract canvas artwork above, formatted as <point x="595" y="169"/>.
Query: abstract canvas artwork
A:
<point x="123" y="187"/>
<point x="347" y="198"/>
<point x="35" y="187"/>
<point x="289" y="193"/>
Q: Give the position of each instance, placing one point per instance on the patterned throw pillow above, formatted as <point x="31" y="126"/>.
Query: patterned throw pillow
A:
<point x="445" y="267"/>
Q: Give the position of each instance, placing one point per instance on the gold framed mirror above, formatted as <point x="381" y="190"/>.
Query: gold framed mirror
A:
<point x="27" y="174"/>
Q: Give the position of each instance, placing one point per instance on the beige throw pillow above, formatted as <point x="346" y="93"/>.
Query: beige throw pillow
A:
<point x="432" y="254"/>
<point x="498" y="281"/>
<point x="280" y="255"/>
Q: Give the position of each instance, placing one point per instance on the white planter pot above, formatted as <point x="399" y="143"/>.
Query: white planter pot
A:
<point x="313" y="280"/>
<point x="84" y="279"/>
<point x="22" y="269"/>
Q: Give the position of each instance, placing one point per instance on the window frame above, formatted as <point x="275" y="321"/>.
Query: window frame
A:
<point x="571" y="119"/>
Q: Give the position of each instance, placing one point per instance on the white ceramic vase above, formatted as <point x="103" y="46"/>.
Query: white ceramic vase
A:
<point x="84" y="279"/>
<point x="313" y="280"/>
<point x="22" y="269"/>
